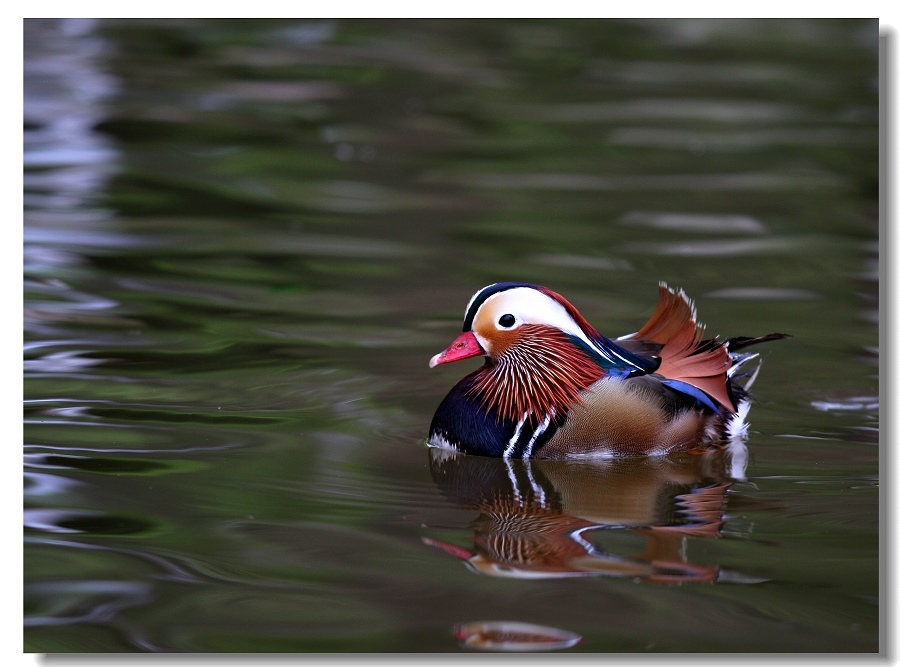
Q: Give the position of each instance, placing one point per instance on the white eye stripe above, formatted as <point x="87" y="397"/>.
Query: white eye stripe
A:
<point x="529" y="306"/>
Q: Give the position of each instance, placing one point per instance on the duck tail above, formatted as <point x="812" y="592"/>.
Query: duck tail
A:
<point x="745" y="367"/>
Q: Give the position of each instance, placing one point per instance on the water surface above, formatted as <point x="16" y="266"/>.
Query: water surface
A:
<point x="245" y="239"/>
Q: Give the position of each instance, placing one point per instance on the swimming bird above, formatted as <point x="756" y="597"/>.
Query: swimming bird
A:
<point x="553" y="387"/>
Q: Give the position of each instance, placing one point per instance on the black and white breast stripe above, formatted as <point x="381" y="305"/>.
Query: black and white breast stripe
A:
<point x="529" y="437"/>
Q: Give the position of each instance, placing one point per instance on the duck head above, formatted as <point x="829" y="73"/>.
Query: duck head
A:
<point x="503" y="315"/>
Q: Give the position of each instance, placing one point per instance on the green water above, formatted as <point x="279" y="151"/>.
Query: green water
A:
<point x="245" y="239"/>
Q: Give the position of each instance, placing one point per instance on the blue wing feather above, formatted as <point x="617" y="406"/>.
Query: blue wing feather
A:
<point x="694" y="392"/>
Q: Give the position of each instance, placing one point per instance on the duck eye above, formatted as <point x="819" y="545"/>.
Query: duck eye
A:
<point x="506" y="321"/>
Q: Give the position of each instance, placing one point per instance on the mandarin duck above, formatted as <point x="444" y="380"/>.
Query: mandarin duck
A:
<point x="552" y="386"/>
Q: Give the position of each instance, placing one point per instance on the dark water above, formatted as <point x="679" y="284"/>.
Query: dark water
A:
<point x="245" y="239"/>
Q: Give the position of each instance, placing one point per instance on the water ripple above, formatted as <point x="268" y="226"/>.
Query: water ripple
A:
<point x="576" y="182"/>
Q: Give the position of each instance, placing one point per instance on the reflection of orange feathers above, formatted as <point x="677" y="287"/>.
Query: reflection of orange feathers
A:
<point x="684" y="355"/>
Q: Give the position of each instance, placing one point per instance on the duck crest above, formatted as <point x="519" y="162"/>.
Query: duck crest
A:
<point x="542" y="375"/>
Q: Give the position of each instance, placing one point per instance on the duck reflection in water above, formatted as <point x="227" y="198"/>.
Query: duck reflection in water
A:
<point x="535" y="516"/>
